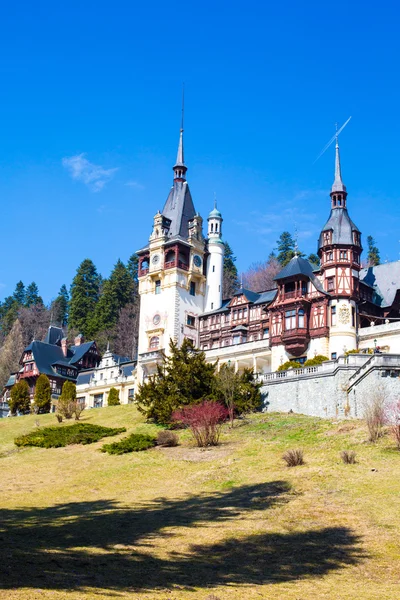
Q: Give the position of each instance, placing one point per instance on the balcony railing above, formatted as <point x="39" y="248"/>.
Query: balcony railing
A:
<point x="143" y="272"/>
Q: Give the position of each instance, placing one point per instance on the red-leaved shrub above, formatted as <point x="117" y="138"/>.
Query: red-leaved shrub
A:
<point x="205" y="421"/>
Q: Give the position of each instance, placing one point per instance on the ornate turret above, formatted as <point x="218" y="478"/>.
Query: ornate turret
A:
<point x="215" y="264"/>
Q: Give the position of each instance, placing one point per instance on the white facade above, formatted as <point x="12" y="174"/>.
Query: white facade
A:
<point x="93" y="386"/>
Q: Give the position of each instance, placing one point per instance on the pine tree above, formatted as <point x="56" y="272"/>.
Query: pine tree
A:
<point x="286" y="246"/>
<point x="113" y="397"/>
<point x="20" y="398"/>
<point x="59" y="307"/>
<point x="183" y="378"/>
<point x="118" y="291"/>
<point x="19" y="293"/>
<point x="373" y="252"/>
<point x="42" y="394"/>
<point x="10" y="353"/>
<point x="230" y="283"/>
<point x="314" y="260"/>
<point x="32" y="297"/>
<point x="84" y="296"/>
<point x="133" y="268"/>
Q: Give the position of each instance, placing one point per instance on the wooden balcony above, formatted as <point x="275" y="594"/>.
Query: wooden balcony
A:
<point x="296" y="340"/>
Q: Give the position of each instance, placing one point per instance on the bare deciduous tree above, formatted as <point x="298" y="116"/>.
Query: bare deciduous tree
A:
<point x="260" y="275"/>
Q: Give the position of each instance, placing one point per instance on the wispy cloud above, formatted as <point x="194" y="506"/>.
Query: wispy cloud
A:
<point x="81" y="169"/>
<point x="135" y="184"/>
<point x="290" y="215"/>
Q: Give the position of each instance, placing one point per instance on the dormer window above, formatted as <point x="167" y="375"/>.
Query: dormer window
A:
<point x="327" y="237"/>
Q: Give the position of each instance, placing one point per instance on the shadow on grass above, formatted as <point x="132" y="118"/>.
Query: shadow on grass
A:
<point x="102" y="545"/>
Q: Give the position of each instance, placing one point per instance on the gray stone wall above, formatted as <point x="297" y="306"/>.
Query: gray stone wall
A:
<point x="337" y="389"/>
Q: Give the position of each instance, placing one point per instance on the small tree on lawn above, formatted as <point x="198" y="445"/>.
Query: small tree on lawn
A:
<point x="205" y="421"/>
<point x="42" y="394"/>
<point x="184" y="377"/>
<point x="375" y="413"/>
<point x="20" y="400"/>
<point x="66" y="404"/>
<point x="239" y="392"/>
<point x="113" y="397"/>
<point x="393" y="420"/>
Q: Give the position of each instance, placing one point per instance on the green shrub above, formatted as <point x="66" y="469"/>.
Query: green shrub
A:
<point x="113" y="397"/>
<point x="290" y="364"/>
<point x="317" y="360"/>
<point x="57" y="437"/>
<point x="136" y="442"/>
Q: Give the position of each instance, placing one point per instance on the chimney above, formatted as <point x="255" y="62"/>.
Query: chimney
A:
<point x="78" y="340"/>
<point x="64" y="347"/>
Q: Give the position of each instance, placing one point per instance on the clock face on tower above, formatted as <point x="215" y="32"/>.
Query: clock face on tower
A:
<point x="197" y="261"/>
<point x="155" y="259"/>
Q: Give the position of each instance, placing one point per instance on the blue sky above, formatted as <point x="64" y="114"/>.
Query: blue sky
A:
<point x="93" y="89"/>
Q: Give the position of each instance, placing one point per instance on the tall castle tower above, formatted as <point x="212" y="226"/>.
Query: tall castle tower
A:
<point x="172" y="282"/>
<point x="339" y="250"/>
<point x="215" y="263"/>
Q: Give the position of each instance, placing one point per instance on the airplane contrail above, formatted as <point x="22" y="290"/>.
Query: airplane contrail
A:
<point x="333" y="138"/>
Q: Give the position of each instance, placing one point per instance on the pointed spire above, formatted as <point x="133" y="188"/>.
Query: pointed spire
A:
<point x="180" y="167"/>
<point x="338" y="185"/>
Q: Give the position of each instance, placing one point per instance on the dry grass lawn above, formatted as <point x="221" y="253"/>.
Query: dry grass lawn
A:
<point x="231" y="522"/>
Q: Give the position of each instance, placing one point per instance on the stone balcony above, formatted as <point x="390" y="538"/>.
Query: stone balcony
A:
<point x="255" y="355"/>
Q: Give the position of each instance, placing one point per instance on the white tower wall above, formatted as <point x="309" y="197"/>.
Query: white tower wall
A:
<point x="215" y="270"/>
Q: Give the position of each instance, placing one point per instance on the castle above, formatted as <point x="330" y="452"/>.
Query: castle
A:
<point x="309" y="312"/>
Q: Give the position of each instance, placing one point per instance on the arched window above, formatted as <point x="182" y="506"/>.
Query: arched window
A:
<point x="154" y="342"/>
<point x="301" y="317"/>
<point x="212" y="227"/>
<point x="216" y="227"/>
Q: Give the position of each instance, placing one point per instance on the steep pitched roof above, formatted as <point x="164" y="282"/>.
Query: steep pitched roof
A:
<point x="300" y="266"/>
<point x="54" y="335"/>
<point x="79" y="351"/>
<point x="385" y="280"/>
<point x="296" y="266"/>
<point x="342" y="228"/>
<point x="179" y="209"/>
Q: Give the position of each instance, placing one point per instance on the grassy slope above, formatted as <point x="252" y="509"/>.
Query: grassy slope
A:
<point x="179" y="523"/>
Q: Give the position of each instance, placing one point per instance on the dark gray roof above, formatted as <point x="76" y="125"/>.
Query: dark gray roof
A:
<point x="296" y="266"/>
<point x="253" y="297"/>
<point x="54" y="335"/>
<point x="301" y="266"/>
<point x="79" y="351"/>
<point x="266" y="297"/>
<point x="84" y="377"/>
<point x="179" y="209"/>
<point x="11" y="380"/>
<point x="342" y="228"/>
<point x="385" y="280"/>
<point x="121" y="359"/>
<point x="128" y="368"/>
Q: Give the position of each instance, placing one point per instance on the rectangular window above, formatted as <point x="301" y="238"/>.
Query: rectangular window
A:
<point x="266" y="333"/>
<point x="301" y="317"/>
<point x="192" y="288"/>
<point x="158" y="287"/>
<point x="333" y="355"/>
<point x="343" y="255"/>
<point x="333" y="315"/>
<point x="98" y="400"/>
<point x="131" y="394"/>
<point x="236" y="339"/>
<point x="330" y="284"/>
<point x="353" y="316"/>
<point x="191" y="321"/>
<point x="301" y="360"/>
<point x="81" y="400"/>
<point x="213" y="268"/>
<point x="290" y="319"/>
